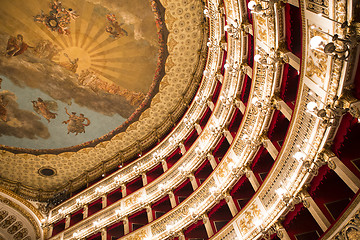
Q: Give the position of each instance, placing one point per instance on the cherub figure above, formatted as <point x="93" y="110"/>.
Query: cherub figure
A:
<point x="43" y="108"/>
<point x="16" y="46"/>
<point x="76" y="123"/>
<point x="115" y="29"/>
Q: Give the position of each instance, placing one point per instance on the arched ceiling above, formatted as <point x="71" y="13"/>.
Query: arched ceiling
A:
<point x="116" y="79"/>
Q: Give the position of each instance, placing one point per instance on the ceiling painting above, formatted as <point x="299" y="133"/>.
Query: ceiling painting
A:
<point x="74" y="71"/>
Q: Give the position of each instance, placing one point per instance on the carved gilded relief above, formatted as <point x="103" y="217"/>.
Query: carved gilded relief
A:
<point x="316" y="61"/>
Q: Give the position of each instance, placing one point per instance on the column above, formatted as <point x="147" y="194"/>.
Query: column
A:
<point x="181" y="235"/>
<point x="51" y="228"/>
<point x="284" y="108"/>
<point x="270" y="148"/>
<point x="193" y="181"/>
<point x="144" y="179"/>
<point x="198" y="128"/>
<point x="103" y="234"/>
<point x="149" y="213"/>
<point x="164" y="165"/>
<point x="67" y="221"/>
<point x="231" y="204"/>
<point x="240" y="105"/>
<point x="228" y="136"/>
<point x="253" y="180"/>
<point x="281" y="231"/>
<point x="85" y="211"/>
<point x="315" y="211"/>
<point x="341" y="170"/>
<point x="172" y="199"/>
<point x="104" y="201"/>
<point x="126" y="225"/>
<point x="212" y="160"/>
<point x="182" y="148"/>
<point x="292" y="59"/>
<point x="123" y="190"/>
<point x="210" y="105"/>
<point x="207" y="225"/>
<point x="247" y="70"/>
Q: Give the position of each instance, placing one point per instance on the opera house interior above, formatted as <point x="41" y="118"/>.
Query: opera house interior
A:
<point x="179" y="119"/>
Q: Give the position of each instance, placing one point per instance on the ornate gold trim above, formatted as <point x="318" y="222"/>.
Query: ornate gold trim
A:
<point x="27" y="215"/>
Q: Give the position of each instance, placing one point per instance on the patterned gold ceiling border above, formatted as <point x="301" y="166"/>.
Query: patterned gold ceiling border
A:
<point x="26" y="214"/>
<point x="162" y="32"/>
<point x="132" y="149"/>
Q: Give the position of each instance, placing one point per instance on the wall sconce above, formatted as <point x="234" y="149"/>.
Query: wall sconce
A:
<point x="326" y="114"/>
<point x="232" y="68"/>
<point x="350" y="41"/>
<point x="118" y="213"/>
<point x="284" y="194"/>
<point x="189" y="123"/>
<point x="79" y="202"/>
<point x="268" y="61"/>
<point x="173" y="140"/>
<point x="199" y="100"/>
<point x="258" y="9"/>
<point x="233" y="29"/>
<point x="235" y="170"/>
<point x="212" y="44"/>
<point x="210" y="13"/>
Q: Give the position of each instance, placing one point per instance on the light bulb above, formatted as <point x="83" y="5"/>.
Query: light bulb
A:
<point x="251" y="5"/>
<point x="299" y="156"/>
<point x="316" y="42"/>
<point x="311" y="106"/>
<point x="257" y="57"/>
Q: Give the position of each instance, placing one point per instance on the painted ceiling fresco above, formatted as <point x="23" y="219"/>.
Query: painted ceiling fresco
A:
<point x="75" y="70"/>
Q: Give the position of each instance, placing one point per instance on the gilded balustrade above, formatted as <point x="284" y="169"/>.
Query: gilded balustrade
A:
<point x="298" y="160"/>
<point x="130" y="171"/>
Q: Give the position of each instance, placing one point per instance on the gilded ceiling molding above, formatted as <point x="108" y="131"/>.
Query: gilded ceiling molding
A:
<point x="131" y="142"/>
<point x="7" y="197"/>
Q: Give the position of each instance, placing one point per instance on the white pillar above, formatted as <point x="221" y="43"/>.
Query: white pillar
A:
<point x="51" y="228"/>
<point x="123" y="190"/>
<point x="85" y="211"/>
<point x="149" y="214"/>
<point x="270" y="148"/>
<point x="103" y="234"/>
<point x="212" y="160"/>
<point x="104" y="201"/>
<point x="182" y="148"/>
<point x="248" y="71"/>
<point x="172" y="199"/>
<point x="315" y="211"/>
<point x="228" y="136"/>
<point x="164" y="165"/>
<point x="252" y="178"/>
<point x="294" y="61"/>
<point x="231" y="204"/>
<point x="67" y="221"/>
<point x="281" y="231"/>
<point x="144" y="179"/>
<point x="126" y="225"/>
<point x="284" y="109"/>
<point x="240" y="105"/>
<point x="210" y="105"/>
<point x="193" y="181"/>
<point x="207" y="225"/>
<point x="198" y="128"/>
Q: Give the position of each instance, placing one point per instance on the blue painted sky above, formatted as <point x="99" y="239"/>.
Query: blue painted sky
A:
<point x="100" y="124"/>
